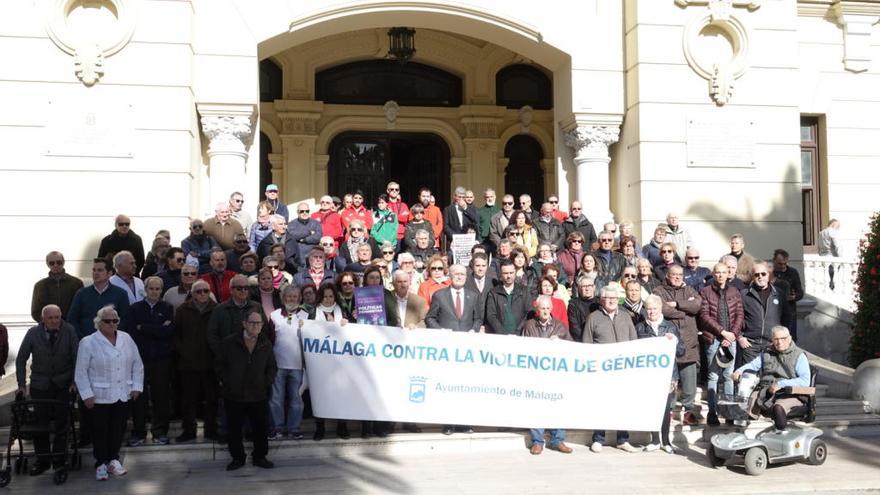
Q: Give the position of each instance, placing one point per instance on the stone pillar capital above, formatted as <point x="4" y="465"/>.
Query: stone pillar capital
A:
<point x="591" y="142"/>
<point x="229" y="128"/>
<point x="857" y="18"/>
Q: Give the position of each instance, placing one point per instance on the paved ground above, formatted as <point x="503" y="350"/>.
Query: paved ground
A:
<point x="853" y="466"/>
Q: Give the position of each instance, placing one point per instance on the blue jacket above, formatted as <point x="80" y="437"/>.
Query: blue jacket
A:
<point x="696" y="278"/>
<point x="202" y="246"/>
<point x="257" y="234"/>
<point x="86" y="303"/>
<point x="152" y="329"/>
<point x="306" y="236"/>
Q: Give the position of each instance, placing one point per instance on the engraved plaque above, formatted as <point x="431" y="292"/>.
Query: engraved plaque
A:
<point x="89" y="127"/>
<point x="720" y="141"/>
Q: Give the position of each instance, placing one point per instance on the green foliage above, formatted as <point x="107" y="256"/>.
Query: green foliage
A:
<point x="865" y="341"/>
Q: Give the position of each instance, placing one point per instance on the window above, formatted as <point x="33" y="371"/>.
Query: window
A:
<point x="519" y="85"/>
<point x="810" y="197"/>
<point x="374" y="82"/>
<point x="270" y="81"/>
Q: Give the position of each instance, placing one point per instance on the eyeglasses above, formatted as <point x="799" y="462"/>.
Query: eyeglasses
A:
<point x="302" y="211"/>
<point x="508" y="203"/>
<point x="436" y="268"/>
<point x="110" y="321"/>
<point x="55" y="263"/>
<point x="393" y="189"/>
<point x="274" y="267"/>
<point x="387" y="253"/>
<point x="629" y="275"/>
<point x="240" y="287"/>
<point x="356" y="230"/>
<point x="760" y="274"/>
<point x="576" y="209"/>
<point x="327" y="244"/>
<point x="606" y="240"/>
<point x="693" y="257"/>
<point x="577" y="241"/>
<point x="238" y="201"/>
<point x="346" y="282"/>
<point x="189" y="274"/>
<point x="666" y="251"/>
<point x="123" y="224"/>
<point x="197" y="227"/>
<point x="201" y="291"/>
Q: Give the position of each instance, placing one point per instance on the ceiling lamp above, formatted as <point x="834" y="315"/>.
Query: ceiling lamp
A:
<point x="401" y="44"/>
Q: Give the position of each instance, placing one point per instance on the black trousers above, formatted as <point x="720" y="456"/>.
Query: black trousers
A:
<point x="61" y="415"/>
<point x="195" y="387"/>
<point x="157" y="393"/>
<point x="257" y="413"/>
<point x="663" y="437"/>
<point x="108" y="427"/>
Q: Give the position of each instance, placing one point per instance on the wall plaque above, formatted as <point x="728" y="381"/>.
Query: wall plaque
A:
<point x="89" y="127"/>
<point x="721" y="141"/>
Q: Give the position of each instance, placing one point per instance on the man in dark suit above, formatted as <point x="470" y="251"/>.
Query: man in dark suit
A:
<point x="459" y="216"/>
<point x="479" y="279"/>
<point x="280" y="235"/>
<point x="455" y="307"/>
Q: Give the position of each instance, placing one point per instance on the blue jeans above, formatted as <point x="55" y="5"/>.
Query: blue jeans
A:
<point x="557" y="436"/>
<point x="713" y="372"/>
<point x="622" y="436"/>
<point x="287" y="382"/>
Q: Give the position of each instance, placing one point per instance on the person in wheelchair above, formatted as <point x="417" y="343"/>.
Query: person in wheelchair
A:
<point x="782" y="368"/>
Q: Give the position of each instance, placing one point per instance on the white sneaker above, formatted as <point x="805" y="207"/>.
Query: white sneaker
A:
<point x="101" y="473"/>
<point x="596" y="447"/>
<point x="627" y="447"/>
<point x="669" y="449"/>
<point x="116" y="469"/>
<point x="652" y="447"/>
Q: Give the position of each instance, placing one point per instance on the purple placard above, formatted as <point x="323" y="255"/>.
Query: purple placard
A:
<point x="369" y="302"/>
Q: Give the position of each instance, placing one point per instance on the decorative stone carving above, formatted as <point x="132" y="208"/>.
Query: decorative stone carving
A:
<point x="90" y="31"/>
<point x="525" y="118"/>
<point x="227" y="133"/>
<point x="720" y="74"/>
<point x="302" y="123"/>
<point x="857" y="20"/>
<point x="481" y="127"/>
<point x="591" y="141"/>
<point x="391" y="110"/>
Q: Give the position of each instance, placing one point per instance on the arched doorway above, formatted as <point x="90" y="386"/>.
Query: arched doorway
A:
<point x="265" y="164"/>
<point x="367" y="161"/>
<point x="524" y="174"/>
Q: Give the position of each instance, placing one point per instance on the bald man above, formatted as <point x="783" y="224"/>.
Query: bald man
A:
<point x="123" y="239"/>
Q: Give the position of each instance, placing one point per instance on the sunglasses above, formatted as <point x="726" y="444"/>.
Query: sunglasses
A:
<point x="110" y="321"/>
<point x="693" y="257"/>
<point x="575" y="209"/>
<point x="189" y="274"/>
<point x="386" y="253"/>
<point x="357" y="230"/>
<point x="55" y="263"/>
<point x="609" y="240"/>
<point x="666" y="251"/>
<point x="436" y="268"/>
<point x="274" y="267"/>
<point x="393" y="189"/>
<point x="760" y="274"/>
<point x="327" y="244"/>
<point x="197" y="227"/>
<point x="508" y="203"/>
<point x="629" y="275"/>
<point x="201" y="291"/>
<point x="347" y="282"/>
<point x="238" y="201"/>
<point x="553" y="202"/>
<point x="577" y="241"/>
<point x="302" y="211"/>
<point x="123" y="224"/>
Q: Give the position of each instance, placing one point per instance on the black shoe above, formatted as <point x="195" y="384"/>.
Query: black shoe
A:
<point x="411" y="428"/>
<point x="447" y="430"/>
<point x="467" y="429"/>
<point x="319" y="435"/>
<point x="185" y="437"/>
<point x="263" y="463"/>
<point x="381" y="433"/>
<point x="38" y="468"/>
<point x="365" y="432"/>
<point x="342" y="432"/>
<point x="235" y="464"/>
<point x="728" y="422"/>
<point x="712" y="419"/>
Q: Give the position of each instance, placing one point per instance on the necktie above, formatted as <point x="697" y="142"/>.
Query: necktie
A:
<point x="53" y="336"/>
<point x="458" y="310"/>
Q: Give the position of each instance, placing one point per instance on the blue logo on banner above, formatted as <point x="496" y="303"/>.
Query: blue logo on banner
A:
<point x="417" y="389"/>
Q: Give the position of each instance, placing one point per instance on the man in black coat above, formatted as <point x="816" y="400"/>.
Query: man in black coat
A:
<point x="281" y="236"/>
<point x="580" y="307"/>
<point x="508" y="304"/>
<point x="459" y="217"/>
<point x="123" y="239"/>
<point x="52" y="344"/>
<point x="246" y="370"/>
<point x="578" y="222"/>
<point x="764" y="307"/>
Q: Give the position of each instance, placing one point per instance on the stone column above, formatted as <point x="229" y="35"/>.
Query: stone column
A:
<point x="229" y="129"/>
<point x="299" y="133"/>
<point x="481" y="146"/>
<point x="591" y="160"/>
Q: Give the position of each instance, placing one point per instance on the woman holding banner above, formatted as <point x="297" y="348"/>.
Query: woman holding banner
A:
<point x="327" y="310"/>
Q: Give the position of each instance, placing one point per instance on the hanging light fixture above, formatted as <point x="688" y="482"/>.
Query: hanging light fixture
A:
<point x="401" y="44"/>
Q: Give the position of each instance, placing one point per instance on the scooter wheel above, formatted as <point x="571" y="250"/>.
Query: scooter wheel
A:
<point x="59" y="477"/>
<point x="818" y="453"/>
<point x="714" y="460"/>
<point x="755" y="461"/>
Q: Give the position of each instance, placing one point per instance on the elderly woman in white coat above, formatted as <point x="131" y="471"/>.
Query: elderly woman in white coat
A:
<point x="109" y="374"/>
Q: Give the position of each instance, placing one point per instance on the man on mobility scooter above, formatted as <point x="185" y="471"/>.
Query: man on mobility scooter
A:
<point x="785" y="391"/>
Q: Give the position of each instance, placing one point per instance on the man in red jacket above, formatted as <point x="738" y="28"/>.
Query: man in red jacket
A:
<point x="720" y="321"/>
<point x="356" y="211"/>
<point x="331" y="222"/>
<point x="396" y="204"/>
<point x="218" y="278"/>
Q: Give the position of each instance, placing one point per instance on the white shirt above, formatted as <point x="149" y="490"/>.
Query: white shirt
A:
<point x="288" y="349"/>
<point x="401" y="309"/>
<point x="133" y="297"/>
<point x="108" y="372"/>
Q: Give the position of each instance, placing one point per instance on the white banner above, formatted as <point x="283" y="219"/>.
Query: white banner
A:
<point x="438" y="376"/>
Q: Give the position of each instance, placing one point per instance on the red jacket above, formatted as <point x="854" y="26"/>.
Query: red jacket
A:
<point x="331" y="225"/>
<point x="221" y="290"/>
<point x="707" y="318"/>
<point x="402" y="211"/>
<point x="361" y="214"/>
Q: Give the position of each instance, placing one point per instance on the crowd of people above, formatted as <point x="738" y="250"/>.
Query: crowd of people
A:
<point x="210" y="327"/>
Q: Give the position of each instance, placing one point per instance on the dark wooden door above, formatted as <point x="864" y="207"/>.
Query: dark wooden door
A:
<point x="524" y="174"/>
<point x="369" y="160"/>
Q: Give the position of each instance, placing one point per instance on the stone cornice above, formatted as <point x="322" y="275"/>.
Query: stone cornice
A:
<point x="228" y="127"/>
<point x="591" y="141"/>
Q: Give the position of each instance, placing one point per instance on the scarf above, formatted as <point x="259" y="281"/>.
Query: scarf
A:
<point x="320" y="311"/>
<point x="276" y="280"/>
